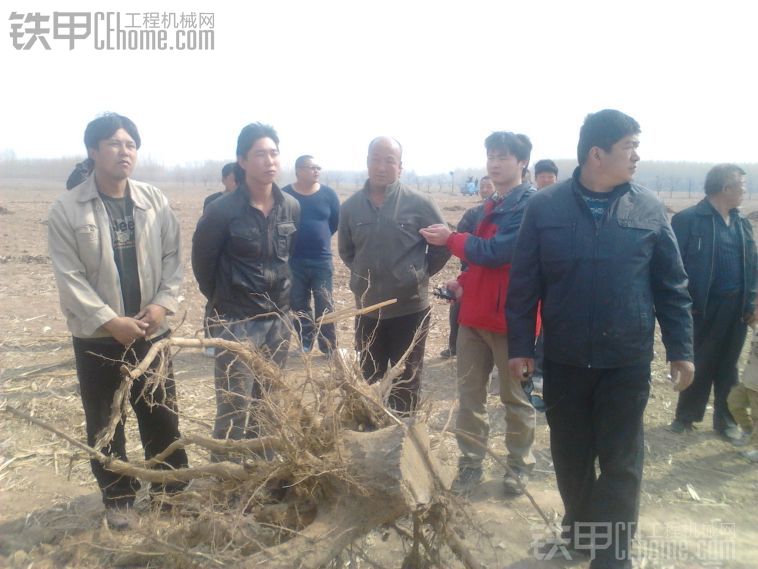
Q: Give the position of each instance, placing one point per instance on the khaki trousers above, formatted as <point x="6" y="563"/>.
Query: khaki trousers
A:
<point x="477" y="351"/>
<point x="740" y="399"/>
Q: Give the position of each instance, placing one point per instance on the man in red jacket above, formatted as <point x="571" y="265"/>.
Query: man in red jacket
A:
<point x="481" y="291"/>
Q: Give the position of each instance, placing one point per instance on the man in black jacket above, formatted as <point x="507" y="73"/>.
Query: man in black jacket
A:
<point x="240" y="254"/>
<point x="719" y="255"/>
<point x="599" y="254"/>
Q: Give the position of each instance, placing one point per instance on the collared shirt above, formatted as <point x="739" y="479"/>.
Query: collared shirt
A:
<point x="727" y="265"/>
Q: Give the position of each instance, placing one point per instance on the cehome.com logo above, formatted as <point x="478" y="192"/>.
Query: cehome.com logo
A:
<point x="114" y="31"/>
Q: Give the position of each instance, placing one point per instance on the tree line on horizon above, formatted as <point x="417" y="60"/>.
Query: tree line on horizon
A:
<point x="663" y="177"/>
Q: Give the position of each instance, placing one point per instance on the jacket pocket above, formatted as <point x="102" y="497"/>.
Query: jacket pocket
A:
<point x="88" y="244"/>
<point x="697" y="243"/>
<point x="245" y="242"/>
<point x="283" y="235"/>
<point x="636" y="238"/>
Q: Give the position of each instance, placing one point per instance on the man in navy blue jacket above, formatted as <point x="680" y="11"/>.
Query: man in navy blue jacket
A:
<point x="599" y="254"/>
<point x="718" y="251"/>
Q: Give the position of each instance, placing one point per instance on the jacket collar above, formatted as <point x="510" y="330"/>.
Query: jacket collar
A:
<point x="391" y="189"/>
<point x="619" y="190"/>
<point x="242" y="194"/>
<point x="704" y="207"/>
<point x="87" y="191"/>
<point x="511" y="198"/>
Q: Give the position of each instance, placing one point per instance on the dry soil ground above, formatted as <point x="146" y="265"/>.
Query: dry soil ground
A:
<point x="698" y="498"/>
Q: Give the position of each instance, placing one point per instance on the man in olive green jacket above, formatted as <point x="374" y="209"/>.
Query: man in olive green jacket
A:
<point x="379" y="241"/>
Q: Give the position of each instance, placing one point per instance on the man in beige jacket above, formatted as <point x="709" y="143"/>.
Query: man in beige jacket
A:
<point x="114" y="246"/>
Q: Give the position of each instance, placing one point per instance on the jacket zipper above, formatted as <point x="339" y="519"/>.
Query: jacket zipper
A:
<point x="593" y="295"/>
<point x="584" y="207"/>
<point x="744" y="265"/>
<point x="713" y="254"/>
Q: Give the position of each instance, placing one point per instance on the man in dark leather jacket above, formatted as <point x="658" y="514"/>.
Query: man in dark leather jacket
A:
<point x="719" y="255"/>
<point x="240" y="254"/>
<point x="599" y="254"/>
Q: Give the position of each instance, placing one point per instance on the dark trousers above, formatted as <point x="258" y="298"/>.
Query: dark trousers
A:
<point x="539" y="354"/>
<point x="97" y="365"/>
<point x="312" y="277"/>
<point x="452" y="340"/>
<point x="597" y="414"/>
<point x="719" y="337"/>
<point x="382" y="343"/>
<point x="238" y="388"/>
<point x="208" y="320"/>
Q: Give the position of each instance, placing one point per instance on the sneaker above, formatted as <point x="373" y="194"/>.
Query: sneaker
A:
<point x="120" y="519"/>
<point x="447" y="353"/>
<point x="468" y="478"/>
<point x="680" y="427"/>
<point x="751" y="455"/>
<point x="515" y="483"/>
<point x="744" y="439"/>
<point x="731" y="434"/>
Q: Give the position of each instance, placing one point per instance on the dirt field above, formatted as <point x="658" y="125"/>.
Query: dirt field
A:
<point x="698" y="499"/>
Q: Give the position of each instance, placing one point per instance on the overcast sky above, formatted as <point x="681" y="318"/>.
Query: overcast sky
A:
<point x="330" y="75"/>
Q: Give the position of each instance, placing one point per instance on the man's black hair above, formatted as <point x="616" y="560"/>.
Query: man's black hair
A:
<point x="604" y="129"/>
<point x="545" y="165"/>
<point x="105" y="126"/>
<point x="247" y="137"/>
<point x="227" y="169"/>
<point x="720" y="176"/>
<point x="518" y="145"/>
<point x="80" y="173"/>
<point x="301" y="160"/>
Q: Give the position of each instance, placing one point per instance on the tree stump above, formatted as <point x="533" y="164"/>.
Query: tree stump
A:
<point x="392" y="472"/>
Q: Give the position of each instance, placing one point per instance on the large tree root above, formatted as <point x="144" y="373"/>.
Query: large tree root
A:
<point x="344" y="466"/>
